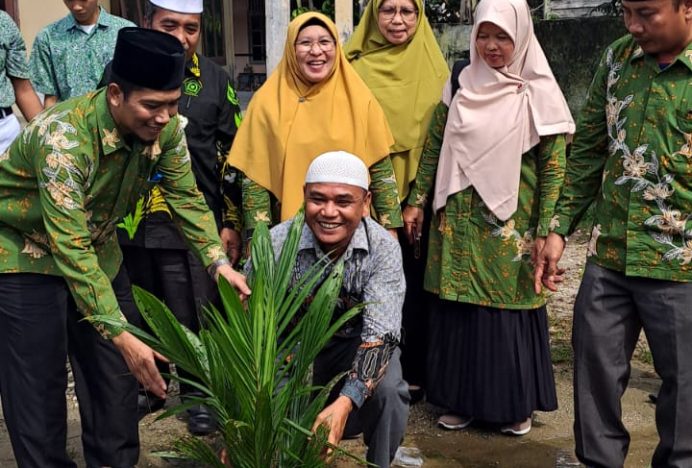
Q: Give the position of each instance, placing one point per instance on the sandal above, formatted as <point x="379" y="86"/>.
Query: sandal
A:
<point x="453" y="422"/>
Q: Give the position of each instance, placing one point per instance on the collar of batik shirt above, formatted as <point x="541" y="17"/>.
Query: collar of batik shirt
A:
<point x="111" y="140"/>
<point x="105" y="20"/>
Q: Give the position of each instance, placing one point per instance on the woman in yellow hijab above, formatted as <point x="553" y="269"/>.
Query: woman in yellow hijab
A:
<point x="313" y="103"/>
<point x="395" y="51"/>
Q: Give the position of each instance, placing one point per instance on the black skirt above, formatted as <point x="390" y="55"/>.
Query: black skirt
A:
<point x="490" y="364"/>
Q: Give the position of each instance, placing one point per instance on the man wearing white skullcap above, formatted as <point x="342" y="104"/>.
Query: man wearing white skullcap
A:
<point x="180" y="6"/>
<point x="156" y="256"/>
<point x="373" y="397"/>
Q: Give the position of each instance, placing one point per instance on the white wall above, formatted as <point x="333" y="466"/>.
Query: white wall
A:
<point x="34" y="15"/>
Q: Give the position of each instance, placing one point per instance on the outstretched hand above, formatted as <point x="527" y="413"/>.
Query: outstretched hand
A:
<point x="334" y="418"/>
<point x="235" y="279"/>
<point x="141" y="360"/>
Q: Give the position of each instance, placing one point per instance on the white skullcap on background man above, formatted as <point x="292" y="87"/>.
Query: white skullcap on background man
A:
<point x="338" y="167"/>
<point x="180" y="6"/>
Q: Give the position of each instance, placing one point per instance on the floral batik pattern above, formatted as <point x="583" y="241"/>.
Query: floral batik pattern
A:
<point x="646" y="177"/>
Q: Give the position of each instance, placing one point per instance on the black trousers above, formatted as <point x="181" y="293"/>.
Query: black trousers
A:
<point x="37" y="315"/>
<point x="178" y="279"/>
<point x="414" y="339"/>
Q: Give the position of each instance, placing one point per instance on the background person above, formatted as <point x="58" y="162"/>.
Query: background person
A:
<point x="395" y="52"/>
<point x="68" y="57"/>
<point x="495" y="156"/>
<point x="631" y="159"/>
<point x="314" y="102"/>
<point x="14" y="81"/>
<point x="75" y="170"/>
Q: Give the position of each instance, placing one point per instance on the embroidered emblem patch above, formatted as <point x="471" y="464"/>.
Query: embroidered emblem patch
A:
<point x="192" y="87"/>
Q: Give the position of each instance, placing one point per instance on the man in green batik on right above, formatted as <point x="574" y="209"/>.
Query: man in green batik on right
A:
<point x="632" y="158"/>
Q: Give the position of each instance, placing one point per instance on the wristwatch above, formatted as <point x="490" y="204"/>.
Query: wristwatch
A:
<point x="213" y="268"/>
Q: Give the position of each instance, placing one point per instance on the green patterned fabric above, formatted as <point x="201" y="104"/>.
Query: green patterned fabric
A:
<point x="12" y="58"/>
<point x="632" y="156"/>
<point x="474" y="257"/>
<point x="67" y="62"/>
<point x="259" y="205"/>
<point x="70" y="177"/>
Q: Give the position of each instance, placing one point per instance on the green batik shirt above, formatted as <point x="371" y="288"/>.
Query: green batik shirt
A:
<point x="67" y="62"/>
<point x="473" y="257"/>
<point x="12" y="58"/>
<point x="66" y="181"/>
<point x="211" y="107"/>
<point x="259" y="205"/>
<point x="632" y="156"/>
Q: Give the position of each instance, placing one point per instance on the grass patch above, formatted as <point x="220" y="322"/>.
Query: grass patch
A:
<point x="561" y="352"/>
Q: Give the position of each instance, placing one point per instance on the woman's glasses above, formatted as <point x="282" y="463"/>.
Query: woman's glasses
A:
<point x="325" y="45"/>
<point x="407" y="14"/>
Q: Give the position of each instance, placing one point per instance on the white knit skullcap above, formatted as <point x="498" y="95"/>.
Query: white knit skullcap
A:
<point x="180" y="6"/>
<point x="338" y="167"/>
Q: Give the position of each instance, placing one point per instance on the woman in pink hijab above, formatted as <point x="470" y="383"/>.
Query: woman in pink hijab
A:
<point x="492" y="167"/>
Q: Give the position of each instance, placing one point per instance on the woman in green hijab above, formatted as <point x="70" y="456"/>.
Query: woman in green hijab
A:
<point x="395" y="52"/>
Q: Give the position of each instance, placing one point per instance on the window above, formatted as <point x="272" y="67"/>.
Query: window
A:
<point x="213" y="31"/>
<point x="129" y="9"/>
<point x="256" y="31"/>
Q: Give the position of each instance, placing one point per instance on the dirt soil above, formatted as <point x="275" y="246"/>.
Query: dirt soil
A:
<point x="549" y="444"/>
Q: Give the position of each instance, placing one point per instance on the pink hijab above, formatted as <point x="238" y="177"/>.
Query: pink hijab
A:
<point x="498" y="115"/>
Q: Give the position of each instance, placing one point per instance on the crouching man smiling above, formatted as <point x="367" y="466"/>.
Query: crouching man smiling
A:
<point x="373" y="393"/>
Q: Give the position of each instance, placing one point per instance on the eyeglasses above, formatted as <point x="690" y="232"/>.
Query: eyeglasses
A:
<point x="407" y="14"/>
<point x="325" y="45"/>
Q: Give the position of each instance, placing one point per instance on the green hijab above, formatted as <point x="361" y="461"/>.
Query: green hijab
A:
<point x="407" y="81"/>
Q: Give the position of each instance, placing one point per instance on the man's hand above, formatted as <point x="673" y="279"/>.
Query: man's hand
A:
<point x="546" y="261"/>
<point x="140" y="359"/>
<point x="334" y="417"/>
<point x="537" y="247"/>
<point x="235" y="279"/>
<point x="231" y="242"/>
<point x="413" y="223"/>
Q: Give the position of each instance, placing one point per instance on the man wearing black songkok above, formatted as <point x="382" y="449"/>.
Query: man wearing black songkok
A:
<point x="73" y="173"/>
<point x="154" y="252"/>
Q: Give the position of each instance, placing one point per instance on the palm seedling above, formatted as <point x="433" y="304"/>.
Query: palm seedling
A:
<point x="253" y="361"/>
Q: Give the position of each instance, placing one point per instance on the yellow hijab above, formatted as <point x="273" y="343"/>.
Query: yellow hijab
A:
<point x="407" y="80"/>
<point x="290" y="121"/>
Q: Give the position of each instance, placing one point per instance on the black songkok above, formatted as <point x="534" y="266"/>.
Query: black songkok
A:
<point x="149" y="59"/>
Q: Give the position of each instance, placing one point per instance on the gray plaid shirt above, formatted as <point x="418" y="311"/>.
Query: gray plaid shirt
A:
<point x="373" y="274"/>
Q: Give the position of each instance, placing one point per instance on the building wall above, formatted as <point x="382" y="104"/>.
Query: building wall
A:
<point x="33" y="18"/>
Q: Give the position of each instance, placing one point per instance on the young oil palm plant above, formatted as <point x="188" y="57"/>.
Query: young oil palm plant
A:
<point x="253" y="361"/>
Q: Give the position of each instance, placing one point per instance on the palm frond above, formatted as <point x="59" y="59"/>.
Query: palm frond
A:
<point x="252" y="362"/>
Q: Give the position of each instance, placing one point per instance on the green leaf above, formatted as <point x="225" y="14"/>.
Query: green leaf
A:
<point x="131" y="222"/>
